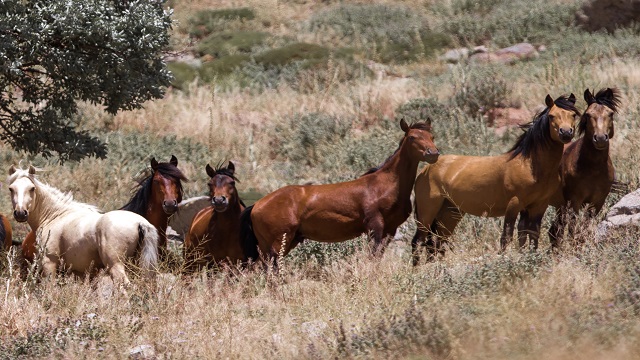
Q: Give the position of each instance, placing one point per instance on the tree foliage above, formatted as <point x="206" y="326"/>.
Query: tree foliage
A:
<point x="54" y="53"/>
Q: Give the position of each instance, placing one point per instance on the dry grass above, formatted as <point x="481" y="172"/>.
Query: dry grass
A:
<point x="472" y="304"/>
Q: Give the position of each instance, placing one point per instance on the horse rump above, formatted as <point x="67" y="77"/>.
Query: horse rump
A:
<point x="248" y="238"/>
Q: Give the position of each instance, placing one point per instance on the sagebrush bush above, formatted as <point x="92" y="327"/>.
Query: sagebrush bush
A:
<point x="221" y="44"/>
<point x="205" y="22"/>
<point x="481" y="89"/>
<point x="389" y="33"/>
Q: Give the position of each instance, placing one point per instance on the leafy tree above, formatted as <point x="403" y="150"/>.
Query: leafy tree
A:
<point x="54" y="53"/>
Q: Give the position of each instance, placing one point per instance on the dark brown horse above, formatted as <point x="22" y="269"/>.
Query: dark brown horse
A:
<point x="586" y="169"/>
<point x="157" y="196"/>
<point x="376" y="203"/>
<point x="214" y="235"/>
<point x="523" y="179"/>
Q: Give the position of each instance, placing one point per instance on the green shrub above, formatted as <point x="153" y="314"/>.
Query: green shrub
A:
<point x="420" y="109"/>
<point x="183" y="74"/>
<point x="223" y="66"/>
<point x="296" y="52"/>
<point x="389" y="33"/>
<point x="206" y="22"/>
<point x="222" y="44"/>
<point x="481" y="89"/>
<point x="322" y="253"/>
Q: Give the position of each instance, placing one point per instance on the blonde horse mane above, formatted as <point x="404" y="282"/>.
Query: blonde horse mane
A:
<point x="54" y="202"/>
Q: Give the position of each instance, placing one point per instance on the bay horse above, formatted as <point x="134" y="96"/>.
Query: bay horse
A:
<point x="214" y="235"/>
<point x="77" y="235"/>
<point x="157" y="196"/>
<point x="375" y="203"/>
<point x="523" y="179"/>
<point x="586" y="169"/>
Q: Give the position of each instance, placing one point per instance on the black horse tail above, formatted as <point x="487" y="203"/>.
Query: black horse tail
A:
<point x="248" y="237"/>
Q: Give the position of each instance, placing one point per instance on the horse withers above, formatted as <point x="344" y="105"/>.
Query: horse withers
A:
<point x="586" y="169"/>
<point x="375" y="203"/>
<point x="76" y="235"/>
<point x="523" y="179"/>
<point x="214" y="234"/>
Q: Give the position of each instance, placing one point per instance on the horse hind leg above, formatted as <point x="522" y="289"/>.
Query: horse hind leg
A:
<point x="445" y="223"/>
<point x="510" y="217"/>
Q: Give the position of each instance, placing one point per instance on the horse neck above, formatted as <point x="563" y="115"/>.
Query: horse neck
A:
<point x="156" y="215"/>
<point x="46" y="207"/>
<point x="403" y="168"/>
<point x="228" y="222"/>
<point x="545" y="161"/>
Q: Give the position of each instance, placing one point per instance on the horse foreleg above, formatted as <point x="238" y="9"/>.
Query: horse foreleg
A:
<point x="523" y="226"/>
<point x="375" y="227"/>
<point x="49" y="265"/>
<point x="556" y="230"/>
<point x="510" y="216"/>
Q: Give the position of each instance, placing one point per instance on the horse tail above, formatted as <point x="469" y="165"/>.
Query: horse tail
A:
<point x="5" y="232"/>
<point x="248" y="237"/>
<point x="148" y="237"/>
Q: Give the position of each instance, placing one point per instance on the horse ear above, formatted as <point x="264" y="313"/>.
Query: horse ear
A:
<point x="32" y="170"/>
<point x="210" y="171"/>
<point x="173" y="161"/>
<point x="588" y="97"/>
<point x="548" y="101"/>
<point x="608" y="94"/>
<point x="403" y="125"/>
<point x="428" y="121"/>
<point x="231" y="167"/>
<point x="154" y="164"/>
<point x="572" y="98"/>
<point x="12" y="169"/>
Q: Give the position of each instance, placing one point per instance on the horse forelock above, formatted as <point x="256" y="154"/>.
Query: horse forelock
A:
<point x="219" y="169"/>
<point x="601" y="98"/>
<point x="141" y="193"/>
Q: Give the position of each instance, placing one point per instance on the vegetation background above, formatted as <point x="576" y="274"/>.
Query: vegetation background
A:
<point x="310" y="91"/>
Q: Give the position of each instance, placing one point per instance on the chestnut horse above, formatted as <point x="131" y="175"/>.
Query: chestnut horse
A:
<point x="157" y="197"/>
<point x="5" y="232"/>
<point x="524" y="178"/>
<point x="375" y="203"/>
<point x="77" y="235"/>
<point x="214" y="234"/>
<point x="586" y="169"/>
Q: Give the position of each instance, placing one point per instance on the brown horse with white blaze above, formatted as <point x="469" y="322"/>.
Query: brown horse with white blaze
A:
<point x="214" y="235"/>
<point x="587" y="170"/>
<point x="523" y="179"/>
<point x="375" y="203"/>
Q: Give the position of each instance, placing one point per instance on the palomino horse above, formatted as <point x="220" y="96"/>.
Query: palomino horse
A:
<point x="157" y="196"/>
<point x="586" y="169"/>
<point x="375" y="203"/>
<point x="77" y="235"/>
<point x="522" y="179"/>
<point x="214" y="235"/>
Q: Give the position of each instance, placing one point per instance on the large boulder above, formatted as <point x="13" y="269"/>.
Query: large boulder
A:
<point x="187" y="210"/>
<point x="625" y="213"/>
<point x="508" y="55"/>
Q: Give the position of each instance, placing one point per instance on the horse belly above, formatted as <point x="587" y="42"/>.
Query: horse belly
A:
<point x="331" y="227"/>
<point x="79" y="248"/>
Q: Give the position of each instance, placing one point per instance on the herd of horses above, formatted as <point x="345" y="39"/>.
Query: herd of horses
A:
<point x="543" y="168"/>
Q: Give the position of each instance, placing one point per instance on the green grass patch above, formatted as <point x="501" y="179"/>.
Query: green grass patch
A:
<point x="206" y="22"/>
<point x="223" y="44"/>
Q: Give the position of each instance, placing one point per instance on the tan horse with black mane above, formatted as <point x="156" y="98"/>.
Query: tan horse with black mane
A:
<point x="587" y="170"/>
<point x="375" y="203"/>
<point x="523" y="179"/>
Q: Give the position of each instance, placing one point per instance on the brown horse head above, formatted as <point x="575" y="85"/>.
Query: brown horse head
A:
<point x="420" y="140"/>
<point x="562" y="117"/>
<point x="166" y="186"/>
<point x="222" y="187"/>
<point x="597" y="120"/>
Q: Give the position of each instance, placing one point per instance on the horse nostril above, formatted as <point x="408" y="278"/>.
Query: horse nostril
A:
<point x="606" y="137"/>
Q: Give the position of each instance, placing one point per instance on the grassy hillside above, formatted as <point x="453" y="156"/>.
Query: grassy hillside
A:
<point x="311" y="91"/>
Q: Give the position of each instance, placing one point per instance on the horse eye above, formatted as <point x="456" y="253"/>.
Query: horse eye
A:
<point x="32" y="190"/>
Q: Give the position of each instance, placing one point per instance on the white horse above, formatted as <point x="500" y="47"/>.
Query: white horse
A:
<point x="77" y="235"/>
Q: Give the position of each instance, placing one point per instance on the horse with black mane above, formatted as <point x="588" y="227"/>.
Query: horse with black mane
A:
<point x="523" y="179"/>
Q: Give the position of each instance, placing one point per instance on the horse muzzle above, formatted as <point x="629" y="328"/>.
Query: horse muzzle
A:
<point x="220" y="204"/>
<point x="601" y="142"/>
<point x="170" y="207"/>
<point x="565" y="135"/>
<point x="20" y="215"/>
<point x="431" y="156"/>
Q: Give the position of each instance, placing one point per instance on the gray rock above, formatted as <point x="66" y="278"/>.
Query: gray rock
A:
<point x="187" y="210"/>
<point x="142" y="352"/>
<point x="625" y="213"/>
